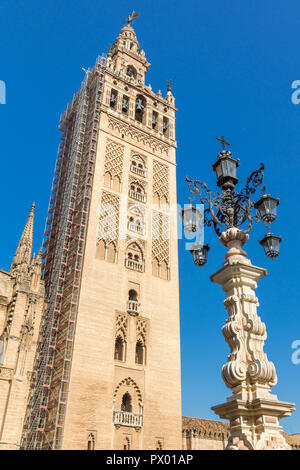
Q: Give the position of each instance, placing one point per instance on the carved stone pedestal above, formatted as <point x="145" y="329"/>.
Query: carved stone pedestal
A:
<point x="252" y="410"/>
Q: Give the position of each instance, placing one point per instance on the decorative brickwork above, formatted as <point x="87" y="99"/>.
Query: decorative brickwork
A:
<point x="142" y="329"/>
<point x="114" y="156"/>
<point x="160" y="180"/>
<point x="109" y="215"/>
<point x="121" y="325"/>
<point x="160" y="237"/>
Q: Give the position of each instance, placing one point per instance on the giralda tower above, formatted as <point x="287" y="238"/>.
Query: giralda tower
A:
<point x="107" y="369"/>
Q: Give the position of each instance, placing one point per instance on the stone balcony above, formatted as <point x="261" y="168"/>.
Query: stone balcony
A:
<point x="134" y="265"/>
<point x="138" y="171"/>
<point x="141" y="197"/>
<point x="125" y="418"/>
<point x="136" y="228"/>
<point x="133" y="307"/>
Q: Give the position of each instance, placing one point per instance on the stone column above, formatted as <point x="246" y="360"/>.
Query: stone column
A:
<point x="252" y="410"/>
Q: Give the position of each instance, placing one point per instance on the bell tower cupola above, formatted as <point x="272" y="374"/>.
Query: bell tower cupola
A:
<point x="126" y="56"/>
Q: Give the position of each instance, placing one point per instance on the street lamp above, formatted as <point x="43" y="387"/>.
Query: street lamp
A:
<point x="253" y="412"/>
<point x="191" y="217"/>
<point x="199" y="252"/>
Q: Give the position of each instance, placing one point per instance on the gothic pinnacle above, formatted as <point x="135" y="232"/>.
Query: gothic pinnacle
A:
<point x="24" y="249"/>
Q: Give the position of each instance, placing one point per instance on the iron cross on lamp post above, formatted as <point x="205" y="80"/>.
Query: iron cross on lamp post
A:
<point x="253" y="412"/>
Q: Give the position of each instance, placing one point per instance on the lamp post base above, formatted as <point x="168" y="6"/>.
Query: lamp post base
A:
<point x="254" y="425"/>
<point x="253" y="412"/>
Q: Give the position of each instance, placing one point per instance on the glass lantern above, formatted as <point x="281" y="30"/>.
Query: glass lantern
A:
<point x="199" y="252"/>
<point x="270" y="244"/>
<point x="225" y="168"/>
<point x="191" y="217"/>
<point x="267" y="208"/>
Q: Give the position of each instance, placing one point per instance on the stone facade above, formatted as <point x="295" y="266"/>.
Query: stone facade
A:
<point x="21" y="305"/>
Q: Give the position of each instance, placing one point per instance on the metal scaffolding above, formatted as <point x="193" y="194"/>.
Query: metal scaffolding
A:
<point x="66" y="229"/>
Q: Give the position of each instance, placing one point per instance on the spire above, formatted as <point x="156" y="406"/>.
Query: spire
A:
<point x="24" y="249"/>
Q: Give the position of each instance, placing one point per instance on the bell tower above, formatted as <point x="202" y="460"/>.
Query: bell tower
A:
<point x="108" y="367"/>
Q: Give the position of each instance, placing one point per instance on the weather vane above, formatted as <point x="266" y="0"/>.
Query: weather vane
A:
<point x="132" y="17"/>
<point x="169" y="82"/>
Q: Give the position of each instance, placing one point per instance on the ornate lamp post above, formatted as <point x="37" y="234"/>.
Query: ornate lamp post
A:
<point x="252" y="410"/>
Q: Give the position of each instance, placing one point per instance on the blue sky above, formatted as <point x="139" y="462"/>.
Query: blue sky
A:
<point x="232" y="64"/>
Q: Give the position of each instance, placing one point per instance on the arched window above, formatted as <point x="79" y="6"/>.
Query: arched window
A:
<point x="125" y="103"/>
<point x="127" y="444"/>
<point x="166" y="126"/>
<point x="113" y="98"/>
<point x="131" y="71"/>
<point x="126" y="403"/>
<point x="133" y="305"/>
<point x="154" y="120"/>
<point x="91" y="442"/>
<point x="134" y="258"/>
<point x="140" y="105"/>
<point x="164" y="203"/>
<point x="137" y="191"/>
<point x="164" y="271"/>
<point x="139" y="352"/>
<point x="107" y="179"/>
<point x="138" y="166"/>
<point x="155" y="267"/>
<point x="111" y="253"/>
<point x="116" y="186"/>
<point x="119" y="349"/>
<point x="136" y="219"/>
<point x="156" y="199"/>
<point x="132" y="295"/>
<point x="100" y="252"/>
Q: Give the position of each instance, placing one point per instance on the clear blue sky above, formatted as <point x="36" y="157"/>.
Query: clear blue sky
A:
<point x="232" y="63"/>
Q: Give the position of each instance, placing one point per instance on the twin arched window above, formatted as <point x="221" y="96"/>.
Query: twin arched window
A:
<point x="137" y="192"/>
<point x="112" y="182"/>
<point x="161" y="201"/>
<point x="138" y="166"/>
<point x="160" y="269"/>
<point x="106" y="252"/>
<point x="136" y="219"/>
<point x="134" y="258"/>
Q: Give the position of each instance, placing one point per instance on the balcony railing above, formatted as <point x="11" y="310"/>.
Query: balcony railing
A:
<point x="133" y="307"/>
<point x="136" y="228"/>
<point x="134" y="265"/>
<point x="138" y="171"/>
<point x="141" y="197"/>
<point x="124" y="418"/>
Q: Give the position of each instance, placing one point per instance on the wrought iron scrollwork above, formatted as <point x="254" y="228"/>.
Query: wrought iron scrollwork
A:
<point x="229" y="208"/>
